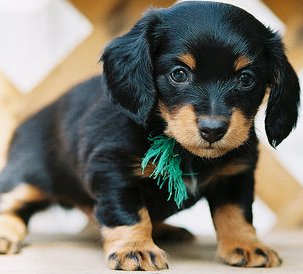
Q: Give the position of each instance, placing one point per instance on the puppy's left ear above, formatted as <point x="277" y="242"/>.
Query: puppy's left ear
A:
<point x="128" y="68"/>
<point x="282" y="108"/>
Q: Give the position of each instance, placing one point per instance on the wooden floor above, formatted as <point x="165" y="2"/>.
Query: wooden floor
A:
<point x="73" y="254"/>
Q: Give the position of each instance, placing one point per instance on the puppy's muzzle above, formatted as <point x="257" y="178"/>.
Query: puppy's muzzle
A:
<point x="212" y="130"/>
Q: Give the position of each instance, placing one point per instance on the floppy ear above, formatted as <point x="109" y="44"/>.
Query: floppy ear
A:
<point x="282" y="108"/>
<point x="128" y="68"/>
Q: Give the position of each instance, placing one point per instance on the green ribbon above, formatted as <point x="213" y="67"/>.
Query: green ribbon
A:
<point x="167" y="167"/>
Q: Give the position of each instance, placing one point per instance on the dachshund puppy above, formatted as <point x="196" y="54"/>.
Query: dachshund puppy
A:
<point x="196" y="72"/>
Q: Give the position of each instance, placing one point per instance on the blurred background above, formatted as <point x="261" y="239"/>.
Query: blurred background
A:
<point x="47" y="46"/>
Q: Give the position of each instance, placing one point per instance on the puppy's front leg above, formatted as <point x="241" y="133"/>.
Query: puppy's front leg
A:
<point x="127" y="232"/>
<point x="231" y="204"/>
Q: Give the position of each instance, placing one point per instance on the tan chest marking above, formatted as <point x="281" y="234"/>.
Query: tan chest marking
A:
<point x="231" y="169"/>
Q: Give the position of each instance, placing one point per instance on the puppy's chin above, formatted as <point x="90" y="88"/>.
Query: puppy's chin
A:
<point x="203" y="150"/>
<point x="208" y="152"/>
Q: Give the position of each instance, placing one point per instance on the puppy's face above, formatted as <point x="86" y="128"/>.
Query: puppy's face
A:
<point x="205" y="67"/>
<point x="211" y="78"/>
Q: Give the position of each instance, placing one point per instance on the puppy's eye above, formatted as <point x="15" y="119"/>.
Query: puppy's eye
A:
<point x="246" y="80"/>
<point x="179" y="75"/>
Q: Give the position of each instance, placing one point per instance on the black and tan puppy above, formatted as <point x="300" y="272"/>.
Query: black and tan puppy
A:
<point x="197" y="72"/>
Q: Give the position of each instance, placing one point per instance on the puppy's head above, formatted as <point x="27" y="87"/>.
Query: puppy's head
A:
<point x="205" y="67"/>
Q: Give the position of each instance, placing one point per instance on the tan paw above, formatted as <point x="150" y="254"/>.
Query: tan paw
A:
<point x="12" y="232"/>
<point x="247" y="254"/>
<point x="9" y="247"/>
<point x="137" y="257"/>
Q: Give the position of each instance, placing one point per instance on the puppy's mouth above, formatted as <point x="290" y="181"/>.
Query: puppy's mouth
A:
<point x="210" y="148"/>
<point x="202" y="148"/>
<point x="182" y="125"/>
<point x="194" y="143"/>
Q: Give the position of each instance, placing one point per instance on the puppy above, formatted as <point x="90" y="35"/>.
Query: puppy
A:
<point x="196" y="72"/>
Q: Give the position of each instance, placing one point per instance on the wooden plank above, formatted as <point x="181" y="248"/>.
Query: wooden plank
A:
<point x="291" y="13"/>
<point x="276" y="187"/>
<point x="81" y="64"/>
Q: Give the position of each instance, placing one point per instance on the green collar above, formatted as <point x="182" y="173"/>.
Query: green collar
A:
<point x="167" y="166"/>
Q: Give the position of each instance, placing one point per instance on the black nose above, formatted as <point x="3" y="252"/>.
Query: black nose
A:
<point x="212" y="130"/>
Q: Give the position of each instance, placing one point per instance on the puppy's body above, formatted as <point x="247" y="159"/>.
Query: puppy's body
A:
<point x="196" y="72"/>
<point x="84" y="124"/>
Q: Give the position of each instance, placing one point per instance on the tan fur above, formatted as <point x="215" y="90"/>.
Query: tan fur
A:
<point x="238" y="131"/>
<point x="241" y="62"/>
<point x="229" y="217"/>
<point x="237" y="240"/>
<point x="231" y="169"/>
<point x="87" y="210"/>
<point x="189" y="60"/>
<point x="136" y="239"/>
<point x="182" y="124"/>
<point x="147" y="171"/>
<point x="12" y="228"/>
<point x="12" y="233"/>
<point x="19" y="196"/>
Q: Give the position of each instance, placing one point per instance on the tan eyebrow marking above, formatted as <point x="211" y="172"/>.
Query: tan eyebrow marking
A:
<point x="241" y="62"/>
<point x="188" y="59"/>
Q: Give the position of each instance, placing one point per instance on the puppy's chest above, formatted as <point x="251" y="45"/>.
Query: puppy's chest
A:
<point x="198" y="176"/>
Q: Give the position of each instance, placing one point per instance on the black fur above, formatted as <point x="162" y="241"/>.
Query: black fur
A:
<point x="83" y="149"/>
<point x="282" y="108"/>
<point x="129" y="77"/>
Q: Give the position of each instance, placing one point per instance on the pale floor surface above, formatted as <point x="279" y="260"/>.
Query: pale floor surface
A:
<point x="72" y="254"/>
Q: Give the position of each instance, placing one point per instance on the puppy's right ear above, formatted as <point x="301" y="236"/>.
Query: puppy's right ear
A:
<point x="128" y="68"/>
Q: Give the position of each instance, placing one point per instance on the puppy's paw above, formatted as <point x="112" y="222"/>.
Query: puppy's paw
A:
<point x="12" y="232"/>
<point x="8" y="246"/>
<point x="167" y="233"/>
<point x="138" y="256"/>
<point x="247" y="254"/>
